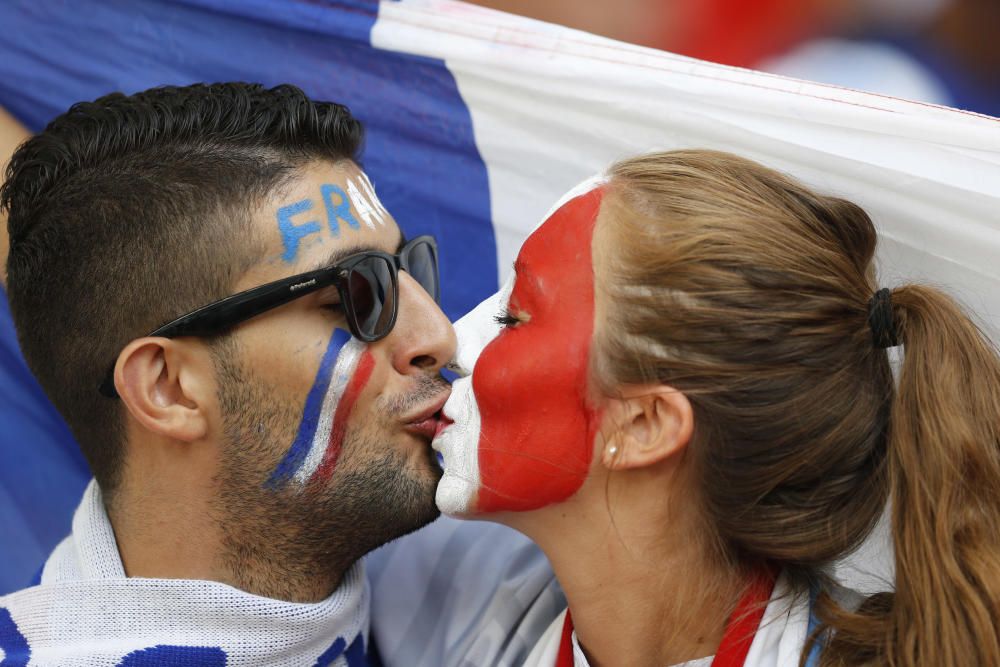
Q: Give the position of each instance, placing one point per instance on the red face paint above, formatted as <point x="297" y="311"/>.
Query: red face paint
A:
<point x="344" y="409"/>
<point x="530" y="382"/>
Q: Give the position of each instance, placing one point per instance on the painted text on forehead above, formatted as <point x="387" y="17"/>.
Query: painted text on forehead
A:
<point x="530" y="383"/>
<point x="332" y="209"/>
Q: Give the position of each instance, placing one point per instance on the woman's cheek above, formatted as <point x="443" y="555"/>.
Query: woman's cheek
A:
<point x="535" y="444"/>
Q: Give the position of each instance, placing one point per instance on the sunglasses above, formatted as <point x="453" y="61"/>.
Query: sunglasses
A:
<point x="368" y="283"/>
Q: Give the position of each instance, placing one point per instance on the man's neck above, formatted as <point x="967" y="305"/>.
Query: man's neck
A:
<point x="269" y="565"/>
<point x="185" y="540"/>
<point x="161" y="543"/>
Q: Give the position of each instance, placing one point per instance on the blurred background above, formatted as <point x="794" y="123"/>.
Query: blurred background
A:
<point x="939" y="51"/>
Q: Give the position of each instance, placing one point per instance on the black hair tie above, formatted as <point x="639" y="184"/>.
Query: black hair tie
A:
<point x="881" y="320"/>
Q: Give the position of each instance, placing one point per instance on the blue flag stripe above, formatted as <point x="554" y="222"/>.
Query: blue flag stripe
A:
<point x="420" y="151"/>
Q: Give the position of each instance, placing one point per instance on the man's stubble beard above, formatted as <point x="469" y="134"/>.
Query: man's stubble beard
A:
<point x="295" y="542"/>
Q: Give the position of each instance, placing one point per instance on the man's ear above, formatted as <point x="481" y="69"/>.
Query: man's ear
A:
<point x="645" y="425"/>
<point x="166" y="386"/>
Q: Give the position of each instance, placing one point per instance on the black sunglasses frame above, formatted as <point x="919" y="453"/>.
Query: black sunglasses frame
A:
<point x="219" y="316"/>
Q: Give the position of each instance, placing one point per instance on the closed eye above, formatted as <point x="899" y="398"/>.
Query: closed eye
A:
<point x="328" y="298"/>
<point x="506" y="320"/>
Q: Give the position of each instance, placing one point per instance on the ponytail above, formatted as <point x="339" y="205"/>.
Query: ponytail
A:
<point x="943" y="477"/>
<point x="944" y="483"/>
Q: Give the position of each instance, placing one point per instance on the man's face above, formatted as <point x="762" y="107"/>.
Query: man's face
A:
<point x="327" y="450"/>
<point x="524" y="425"/>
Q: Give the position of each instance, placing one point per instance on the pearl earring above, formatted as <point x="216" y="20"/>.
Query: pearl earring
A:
<point x="612" y="450"/>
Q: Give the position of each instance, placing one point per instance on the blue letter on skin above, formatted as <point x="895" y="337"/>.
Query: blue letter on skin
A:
<point x="292" y="234"/>
<point x="341" y="211"/>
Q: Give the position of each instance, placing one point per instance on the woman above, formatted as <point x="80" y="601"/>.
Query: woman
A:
<point x="685" y="399"/>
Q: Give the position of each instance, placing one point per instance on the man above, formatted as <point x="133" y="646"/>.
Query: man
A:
<point x="248" y="352"/>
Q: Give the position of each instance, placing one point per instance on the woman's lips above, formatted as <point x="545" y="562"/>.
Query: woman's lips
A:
<point x="443" y="423"/>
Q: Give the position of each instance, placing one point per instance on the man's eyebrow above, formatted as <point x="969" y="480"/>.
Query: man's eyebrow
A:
<point x="340" y="254"/>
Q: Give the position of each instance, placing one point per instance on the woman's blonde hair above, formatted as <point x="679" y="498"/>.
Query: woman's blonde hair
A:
<point x="749" y="293"/>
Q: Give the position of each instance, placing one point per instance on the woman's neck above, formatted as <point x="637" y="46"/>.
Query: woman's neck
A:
<point x="642" y="589"/>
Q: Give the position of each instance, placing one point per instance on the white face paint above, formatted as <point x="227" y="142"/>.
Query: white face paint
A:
<point x="380" y="211"/>
<point x="459" y="443"/>
<point x="366" y="202"/>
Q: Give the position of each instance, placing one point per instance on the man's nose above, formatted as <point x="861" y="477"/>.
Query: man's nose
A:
<point x="423" y="338"/>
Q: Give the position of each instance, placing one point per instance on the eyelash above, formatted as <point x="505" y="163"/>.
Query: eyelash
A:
<point x="506" y="320"/>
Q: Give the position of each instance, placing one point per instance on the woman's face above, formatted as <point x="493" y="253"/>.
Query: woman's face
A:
<point x="524" y="428"/>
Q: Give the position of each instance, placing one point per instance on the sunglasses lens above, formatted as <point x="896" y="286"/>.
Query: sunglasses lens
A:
<point x="421" y="264"/>
<point x="372" y="295"/>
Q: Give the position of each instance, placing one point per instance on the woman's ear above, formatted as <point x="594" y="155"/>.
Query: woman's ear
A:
<point x="645" y="425"/>
<point x="165" y="385"/>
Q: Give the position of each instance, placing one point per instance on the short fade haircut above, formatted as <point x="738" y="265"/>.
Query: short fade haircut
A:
<point x="131" y="210"/>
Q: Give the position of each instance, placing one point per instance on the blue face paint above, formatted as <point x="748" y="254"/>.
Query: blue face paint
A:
<point x="343" y="372"/>
<point x="292" y="234"/>
<point x="338" y="210"/>
<point x="312" y="414"/>
<point x="341" y="211"/>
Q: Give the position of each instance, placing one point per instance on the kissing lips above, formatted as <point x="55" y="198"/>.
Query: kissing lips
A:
<point x="443" y="422"/>
<point x="427" y="422"/>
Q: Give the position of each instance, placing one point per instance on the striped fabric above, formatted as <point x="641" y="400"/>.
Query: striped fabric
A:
<point x="87" y="613"/>
<point x="477" y="121"/>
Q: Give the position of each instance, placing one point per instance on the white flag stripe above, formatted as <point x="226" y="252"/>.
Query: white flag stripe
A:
<point x="551" y="105"/>
<point x="343" y="371"/>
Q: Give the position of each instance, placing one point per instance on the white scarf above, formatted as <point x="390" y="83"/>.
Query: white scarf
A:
<point x="87" y="613"/>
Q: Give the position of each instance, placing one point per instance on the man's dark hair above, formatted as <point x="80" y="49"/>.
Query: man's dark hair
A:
<point x="129" y="211"/>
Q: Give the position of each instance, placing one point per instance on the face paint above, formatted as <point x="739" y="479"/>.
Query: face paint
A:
<point x="345" y="406"/>
<point x="296" y="221"/>
<point x="524" y="430"/>
<point x="343" y="373"/>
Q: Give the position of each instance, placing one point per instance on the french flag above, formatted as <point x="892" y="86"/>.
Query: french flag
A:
<point x="477" y="121"/>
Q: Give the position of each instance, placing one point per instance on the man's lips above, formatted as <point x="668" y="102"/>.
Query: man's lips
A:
<point x="427" y="421"/>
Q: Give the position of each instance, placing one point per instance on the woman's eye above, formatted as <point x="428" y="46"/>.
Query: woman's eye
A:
<point x="506" y="320"/>
<point x="337" y="308"/>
